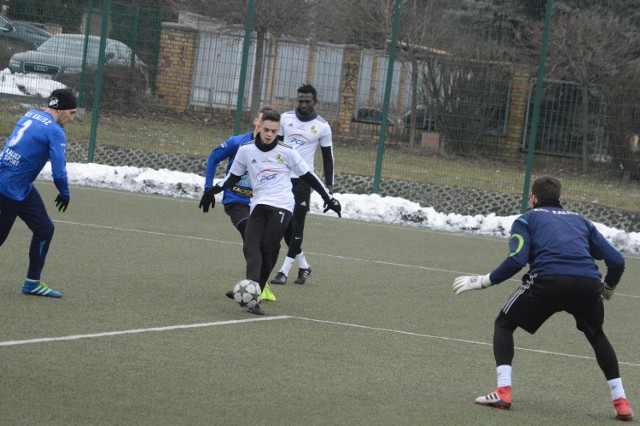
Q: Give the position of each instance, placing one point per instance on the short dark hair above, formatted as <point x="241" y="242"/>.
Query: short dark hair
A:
<point x="271" y="114"/>
<point x="264" y="109"/>
<point x="546" y="189"/>
<point x="307" y="88"/>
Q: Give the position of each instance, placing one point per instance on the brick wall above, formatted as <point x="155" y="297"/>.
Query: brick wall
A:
<point x="178" y="50"/>
<point x="176" y="60"/>
<point x="348" y="90"/>
<point x="517" y="109"/>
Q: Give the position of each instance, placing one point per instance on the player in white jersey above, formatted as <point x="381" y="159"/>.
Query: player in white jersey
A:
<point x="270" y="165"/>
<point x="304" y="130"/>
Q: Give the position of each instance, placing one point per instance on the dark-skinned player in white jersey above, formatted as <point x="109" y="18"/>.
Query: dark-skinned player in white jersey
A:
<point x="304" y="130"/>
<point x="270" y="165"/>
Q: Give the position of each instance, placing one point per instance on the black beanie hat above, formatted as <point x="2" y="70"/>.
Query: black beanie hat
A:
<point x="62" y="99"/>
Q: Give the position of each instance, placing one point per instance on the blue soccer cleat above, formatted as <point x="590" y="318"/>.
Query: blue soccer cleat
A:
<point x="36" y="288"/>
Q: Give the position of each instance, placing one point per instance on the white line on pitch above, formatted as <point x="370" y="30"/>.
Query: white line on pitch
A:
<point x="431" y="336"/>
<point x="378" y="262"/>
<point x="139" y="330"/>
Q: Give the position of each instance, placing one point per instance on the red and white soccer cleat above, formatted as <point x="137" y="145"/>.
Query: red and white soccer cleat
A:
<point x="499" y="398"/>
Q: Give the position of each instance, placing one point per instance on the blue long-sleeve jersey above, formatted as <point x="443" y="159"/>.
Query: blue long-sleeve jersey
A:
<point x="554" y="241"/>
<point x="36" y="139"/>
<point x="240" y="192"/>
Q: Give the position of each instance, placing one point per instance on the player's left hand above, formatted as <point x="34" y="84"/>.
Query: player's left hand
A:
<point x="61" y="203"/>
<point x="471" y="282"/>
<point x="208" y="200"/>
<point x="330" y="192"/>
<point x="332" y="204"/>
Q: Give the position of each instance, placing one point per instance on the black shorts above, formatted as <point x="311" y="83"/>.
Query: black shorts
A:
<point x="237" y="212"/>
<point x="536" y="300"/>
<point x="301" y="194"/>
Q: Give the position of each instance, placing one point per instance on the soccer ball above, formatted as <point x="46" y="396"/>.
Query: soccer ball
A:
<point x="247" y="293"/>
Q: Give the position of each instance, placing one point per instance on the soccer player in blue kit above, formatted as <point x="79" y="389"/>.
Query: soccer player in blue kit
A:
<point x="37" y="138"/>
<point x="560" y="247"/>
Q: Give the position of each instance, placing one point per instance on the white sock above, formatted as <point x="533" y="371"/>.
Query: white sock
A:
<point x="617" y="391"/>
<point x="504" y="375"/>
<point x="286" y="266"/>
<point x="302" y="261"/>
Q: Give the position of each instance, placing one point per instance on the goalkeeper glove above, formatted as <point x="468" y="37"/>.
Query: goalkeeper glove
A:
<point x="208" y="199"/>
<point x="61" y="203"/>
<point x="332" y="204"/>
<point x="608" y="292"/>
<point x="471" y="282"/>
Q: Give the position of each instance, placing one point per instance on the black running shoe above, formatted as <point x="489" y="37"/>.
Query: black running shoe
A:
<point x="256" y="310"/>
<point x="303" y="274"/>
<point x="280" y="279"/>
<point x="230" y="294"/>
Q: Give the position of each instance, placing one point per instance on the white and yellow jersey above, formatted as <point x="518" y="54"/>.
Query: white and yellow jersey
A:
<point x="270" y="172"/>
<point x="305" y="136"/>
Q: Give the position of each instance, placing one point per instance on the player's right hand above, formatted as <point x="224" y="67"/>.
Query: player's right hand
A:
<point x="608" y="292"/>
<point x="471" y="282"/>
<point x="208" y="199"/>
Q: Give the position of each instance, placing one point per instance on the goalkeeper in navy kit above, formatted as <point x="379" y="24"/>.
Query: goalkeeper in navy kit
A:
<point x="270" y="165"/>
<point x="561" y="248"/>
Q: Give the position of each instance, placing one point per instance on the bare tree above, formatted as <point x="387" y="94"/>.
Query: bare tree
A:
<point x="592" y="47"/>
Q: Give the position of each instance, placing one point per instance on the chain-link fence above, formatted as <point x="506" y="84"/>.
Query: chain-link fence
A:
<point x="162" y="92"/>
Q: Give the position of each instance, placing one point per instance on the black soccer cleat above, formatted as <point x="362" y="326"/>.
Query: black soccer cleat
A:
<point x="280" y="279"/>
<point x="230" y="295"/>
<point x="303" y="274"/>
<point x="256" y="310"/>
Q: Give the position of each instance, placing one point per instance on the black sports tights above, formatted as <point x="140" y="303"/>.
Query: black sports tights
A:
<point x="503" y="348"/>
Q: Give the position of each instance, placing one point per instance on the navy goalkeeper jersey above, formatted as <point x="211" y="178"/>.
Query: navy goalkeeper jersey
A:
<point x="554" y="241"/>
<point x="36" y="139"/>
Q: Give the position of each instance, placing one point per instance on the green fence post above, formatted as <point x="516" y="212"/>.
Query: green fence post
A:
<point x="387" y="95"/>
<point x="536" y="108"/>
<point x="99" y="76"/>
<point x="153" y="71"/>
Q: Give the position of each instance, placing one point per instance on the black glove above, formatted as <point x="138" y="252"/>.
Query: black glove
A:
<point x="332" y="204"/>
<point x="330" y="188"/>
<point x="208" y="199"/>
<point x="62" y="203"/>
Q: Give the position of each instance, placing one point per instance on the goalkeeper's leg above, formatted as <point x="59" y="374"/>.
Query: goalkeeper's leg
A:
<point x="608" y="362"/>
<point x="503" y="346"/>
<point x="503" y="351"/>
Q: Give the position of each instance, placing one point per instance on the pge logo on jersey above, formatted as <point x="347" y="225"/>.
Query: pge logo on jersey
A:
<point x="298" y="140"/>
<point x="267" y="175"/>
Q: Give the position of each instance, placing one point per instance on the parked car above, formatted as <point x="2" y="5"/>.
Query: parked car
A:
<point x="21" y="35"/>
<point x="61" y="58"/>
<point x="424" y="120"/>
<point x="371" y="115"/>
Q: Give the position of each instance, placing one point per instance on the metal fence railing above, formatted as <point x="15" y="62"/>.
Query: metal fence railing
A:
<point x="460" y="109"/>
